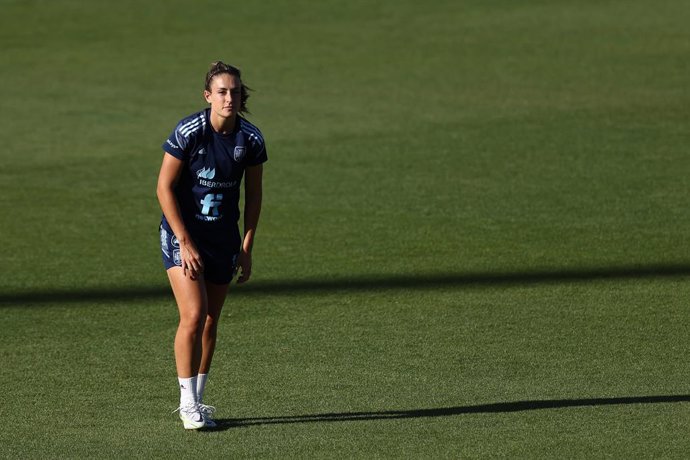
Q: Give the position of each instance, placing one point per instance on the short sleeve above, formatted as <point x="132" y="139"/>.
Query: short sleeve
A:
<point x="257" y="152"/>
<point x="258" y="157"/>
<point x="180" y="143"/>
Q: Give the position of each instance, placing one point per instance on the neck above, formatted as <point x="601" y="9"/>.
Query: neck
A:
<point x="223" y="125"/>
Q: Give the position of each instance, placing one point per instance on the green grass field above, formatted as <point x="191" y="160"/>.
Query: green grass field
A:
<point x="474" y="243"/>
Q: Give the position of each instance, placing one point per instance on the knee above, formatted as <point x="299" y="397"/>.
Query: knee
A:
<point x="211" y="325"/>
<point x="192" y="319"/>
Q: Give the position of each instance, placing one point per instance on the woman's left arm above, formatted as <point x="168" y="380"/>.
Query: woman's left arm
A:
<point x="253" y="177"/>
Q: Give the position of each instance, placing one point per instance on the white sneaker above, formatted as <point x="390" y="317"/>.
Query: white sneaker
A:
<point x="191" y="416"/>
<point x="207" y="413"/>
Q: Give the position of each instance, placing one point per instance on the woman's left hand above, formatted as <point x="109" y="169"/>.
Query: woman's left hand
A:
<point x="244" y="263"/>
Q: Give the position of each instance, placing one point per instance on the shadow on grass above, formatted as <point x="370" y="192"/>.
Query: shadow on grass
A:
<point x="517" y="406"/>
<point x="370" y="283"/>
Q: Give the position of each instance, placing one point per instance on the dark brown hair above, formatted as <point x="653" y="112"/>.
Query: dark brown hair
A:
<point x="219" y="67"/>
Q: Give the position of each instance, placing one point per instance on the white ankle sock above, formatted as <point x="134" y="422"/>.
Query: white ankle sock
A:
<point x="200" y="385"/>
<point x="187" y="390"/>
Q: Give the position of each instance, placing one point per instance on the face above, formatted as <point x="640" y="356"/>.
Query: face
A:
<point x="225" y="96"/>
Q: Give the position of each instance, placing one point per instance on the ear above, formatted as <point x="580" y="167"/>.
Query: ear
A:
<point x="207" y="96"/>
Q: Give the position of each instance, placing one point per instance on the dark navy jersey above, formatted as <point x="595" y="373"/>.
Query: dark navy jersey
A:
<point x="208" y="190"/>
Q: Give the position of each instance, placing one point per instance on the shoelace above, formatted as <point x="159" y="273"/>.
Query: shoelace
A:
<point x="189" y="407"/>
<point x="206" y="410"/>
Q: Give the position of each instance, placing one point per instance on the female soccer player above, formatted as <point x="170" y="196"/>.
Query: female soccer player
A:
<point x="205" y="158"/>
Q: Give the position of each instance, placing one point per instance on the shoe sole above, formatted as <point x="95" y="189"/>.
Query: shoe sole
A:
<point x="192" y="425"/>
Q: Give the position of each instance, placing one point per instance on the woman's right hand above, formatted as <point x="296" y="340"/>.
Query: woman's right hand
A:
<point x="192" y="265"/>
<point x="171" y="169"/>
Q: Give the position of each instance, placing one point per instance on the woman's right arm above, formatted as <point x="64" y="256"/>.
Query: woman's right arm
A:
<point x="167" y="178"/>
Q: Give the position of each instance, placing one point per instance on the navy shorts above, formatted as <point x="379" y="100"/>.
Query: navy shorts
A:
<point x="220" y="261"/>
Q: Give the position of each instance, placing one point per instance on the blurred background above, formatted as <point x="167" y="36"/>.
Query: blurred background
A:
<point x="463" y="136"/>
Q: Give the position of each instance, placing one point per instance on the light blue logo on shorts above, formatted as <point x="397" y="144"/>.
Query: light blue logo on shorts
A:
<point x="164" y="242"/>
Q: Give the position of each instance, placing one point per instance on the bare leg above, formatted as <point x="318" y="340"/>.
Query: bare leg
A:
<point x="192" y="303"/>
<point x="216" y="297"/>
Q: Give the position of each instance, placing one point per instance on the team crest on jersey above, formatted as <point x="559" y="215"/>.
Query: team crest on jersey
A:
<point x="240" y="150"/>
<point x="177" y="259"/>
